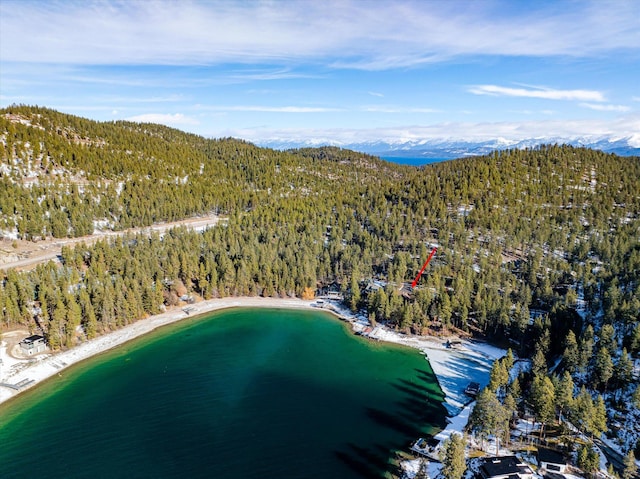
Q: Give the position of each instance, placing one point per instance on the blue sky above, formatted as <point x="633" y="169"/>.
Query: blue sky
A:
<point x="346" y="70"/>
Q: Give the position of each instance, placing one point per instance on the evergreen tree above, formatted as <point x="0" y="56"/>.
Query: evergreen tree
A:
<point x="634" y="341"/>
<point x="623" y="371"/>
<point x="603" y="368"/>
<point x="515" y="390"/>
<point x="489" y="415"/>
<point x="509" y="360"/>
<point x="499" y="376"/>
<point x="630" y="466"/>
<point x="539" y="363"/>
<point x="636" y="397"/>
<point x="452" y="457"/>
<point x="564" y="394"/>
<point x="586" y="348"/>
<point x="607" y="338"/>
<point x="588" y="459"/>
<point x="571" y="356"/>
<point x="543" y="400"/>
<point x="599" y="421"/>
<point x="583" y="410"/>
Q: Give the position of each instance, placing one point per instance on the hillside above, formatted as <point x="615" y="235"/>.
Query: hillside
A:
<point x="536" y="246"/>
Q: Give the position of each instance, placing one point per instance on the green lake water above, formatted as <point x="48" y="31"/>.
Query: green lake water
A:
<point x="241" y="393"/>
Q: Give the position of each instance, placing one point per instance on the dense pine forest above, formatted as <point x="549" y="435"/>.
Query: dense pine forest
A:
<point x="538" y="249"/>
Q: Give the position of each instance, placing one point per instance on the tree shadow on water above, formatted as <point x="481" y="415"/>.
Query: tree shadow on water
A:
<point x="393" y="421"/>
<point x="368" y="462"/>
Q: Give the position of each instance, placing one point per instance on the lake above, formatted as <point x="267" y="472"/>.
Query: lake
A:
<point x="252" y="393"/>
<point x="413" y="161"/>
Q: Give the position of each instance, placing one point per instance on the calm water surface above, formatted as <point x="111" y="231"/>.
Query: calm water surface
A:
<point x="243" y="393"/>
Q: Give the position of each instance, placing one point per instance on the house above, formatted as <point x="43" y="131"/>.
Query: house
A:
<point x="507" y="467"/>
<point x="33" y="345"/>
<point x="551" y="461"/>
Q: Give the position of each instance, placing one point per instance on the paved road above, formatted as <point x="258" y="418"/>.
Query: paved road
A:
<point x="44" y="252"/>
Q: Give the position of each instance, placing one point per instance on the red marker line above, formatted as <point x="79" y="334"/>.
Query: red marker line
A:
<point x="415" y="281"/>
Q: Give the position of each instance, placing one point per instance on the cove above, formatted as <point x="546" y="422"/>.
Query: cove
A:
<point x="252" y="393"/>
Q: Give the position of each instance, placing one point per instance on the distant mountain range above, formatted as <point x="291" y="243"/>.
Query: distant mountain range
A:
<point x="452" y="148"/>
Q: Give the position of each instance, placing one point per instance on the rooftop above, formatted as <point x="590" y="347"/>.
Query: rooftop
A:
<point x="33" y="339"/>
<point x="551" y="456"/>
<point x="502" y="466"/>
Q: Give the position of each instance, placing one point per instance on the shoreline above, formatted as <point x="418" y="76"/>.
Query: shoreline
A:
<point x="448" y="364"/>
<point x="42" y="367"/>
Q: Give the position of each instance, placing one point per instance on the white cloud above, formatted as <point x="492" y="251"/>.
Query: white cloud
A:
<point x="175" y="119"/>
<point x="540" y="93"/>
<point x="346" y="33"/>
<point x="375" y="93"/>
<point x="601" y="107"/>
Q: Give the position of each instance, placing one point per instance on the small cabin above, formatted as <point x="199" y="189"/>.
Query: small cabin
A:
<point x="33" y="345"/>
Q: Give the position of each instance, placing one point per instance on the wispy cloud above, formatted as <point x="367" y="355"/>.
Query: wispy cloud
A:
<point x="268" y="109"/>
<point x="540" y="93"/>
<point x="395" y="109"/>
<point x="265" y="75"/>
<point x="391" y="35"/>
<point x="176" y="119"/>
<point x="601" y="107"/>
<point x="375" y="93"/>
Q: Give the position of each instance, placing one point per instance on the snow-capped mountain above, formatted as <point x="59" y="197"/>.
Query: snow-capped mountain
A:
<point x="457" y="148"/>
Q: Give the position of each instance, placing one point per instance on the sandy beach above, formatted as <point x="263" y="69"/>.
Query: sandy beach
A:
<point x="35" y="370"/>
<point x="454" y="366"/>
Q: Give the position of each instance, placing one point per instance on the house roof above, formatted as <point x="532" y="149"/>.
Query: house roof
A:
<point x="550" y="456"/>
<point x="500" y="466"/>
<point x="33" y="339"/>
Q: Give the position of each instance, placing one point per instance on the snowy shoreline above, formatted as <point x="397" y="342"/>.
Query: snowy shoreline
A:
<point x="454" y="367"/>
<point x="42" y="367"/>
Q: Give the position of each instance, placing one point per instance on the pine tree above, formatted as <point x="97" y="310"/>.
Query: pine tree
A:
<point x="571" y="356"/>
<point x="634" y="341"/>
<point x="586" y="348"/>
<point x="623" y="371"/>
<point x="515" y="390"/>
<point x="543" y="400"/>
<point x="603" y="368"/>
<point x="499" y="376"/>
<point x="539" y="363"/>
<point x="354" y="291"/>
<point x="588" y="459"/>
<point x="582" y="410"/>
<point x="599" y="422"/>
<point x="630" y="466"/>
<point x="489" y="416"/>
<point x="636" y="397"/>
<point x="607" y="337"/>
<point x="509" y="360"/>
<point x="564" y="394"/>
<point x="452" y="457"/>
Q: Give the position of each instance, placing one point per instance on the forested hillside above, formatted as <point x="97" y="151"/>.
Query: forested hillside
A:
<point x="538" y="248"/>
